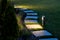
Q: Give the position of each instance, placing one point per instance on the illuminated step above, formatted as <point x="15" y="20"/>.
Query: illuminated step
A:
<point x="49" y="39"/>
<point x="30" y="21"/>
<point x="34" y="26"/>
<point x="28" y="11"/>
<point x="41" y="33"/>
<point x="34" y="17"/>
<point x="23" y="9"/>
<point x="31" y="13"/>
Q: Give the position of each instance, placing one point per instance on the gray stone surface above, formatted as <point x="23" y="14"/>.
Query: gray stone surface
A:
<point x="34" y="17"/>
<point x="28" y="11"/>
<point x="49" y="39"/>
<point x="41" y="33"/>
<point x="30" y="21"/>
<point x="31" y="13"/>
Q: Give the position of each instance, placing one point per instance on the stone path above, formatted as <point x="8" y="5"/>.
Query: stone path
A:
<point x="31" y="22"/>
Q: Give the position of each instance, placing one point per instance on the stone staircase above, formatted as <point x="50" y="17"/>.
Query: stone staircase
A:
<point x="31" y="22"/>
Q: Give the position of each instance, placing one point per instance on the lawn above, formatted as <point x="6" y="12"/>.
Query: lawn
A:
<point x="49" y="8"/>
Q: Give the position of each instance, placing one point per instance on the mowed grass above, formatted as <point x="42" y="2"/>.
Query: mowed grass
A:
<point x="49" y="8"/>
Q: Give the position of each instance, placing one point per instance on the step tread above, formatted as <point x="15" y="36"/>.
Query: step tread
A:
<point x="48" y="39"/>
<point x="34" y="17"/>
<point x="31" y="13"/>
<point x="28" y="11"/>
<point x="34" y="26"/>
<point x="30" y="21"/>
<point x="41" y="33"/>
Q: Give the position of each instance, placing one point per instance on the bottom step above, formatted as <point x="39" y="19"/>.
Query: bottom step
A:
<point x="48" y="39"/>
<point x="41" y="33"/>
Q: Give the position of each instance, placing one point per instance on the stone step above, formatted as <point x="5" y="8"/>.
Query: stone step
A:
<point x="41" y="33"/>
<point x="30" y="21"/>
<point x="33" y="17"/>
<point x="23" y="9"/>
<point x="34" y="26"/>
<point x="26" y="11"/>
<point x="31" y="13"/>
<point x="48" y="39"/>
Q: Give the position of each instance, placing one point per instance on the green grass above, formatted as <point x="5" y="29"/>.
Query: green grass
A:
<point x="49" y="8"/>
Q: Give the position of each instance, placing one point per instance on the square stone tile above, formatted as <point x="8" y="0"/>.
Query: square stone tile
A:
<point x="34" y="26"/>
<point x="49" y="39"/>
<point x="34" y="17"/>
<point x="28" y="11"/>
<point x="30" y="21"/>
<point x="41" y="33"/>
<point x="31" y="13"/>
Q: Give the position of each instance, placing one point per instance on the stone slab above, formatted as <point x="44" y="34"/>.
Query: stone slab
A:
<point x="30" y="21"/>
<point x="31" y="13"/>
<point x="41" y="33"/>
<point x="34" y="26"/>
<point x="49" y="39"/>
<point x="34" y="17"/>
<point x="28" y="11"/>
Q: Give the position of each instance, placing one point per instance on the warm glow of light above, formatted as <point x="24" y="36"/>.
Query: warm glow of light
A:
<point x="23" y="6"/>
<point x="28" y="6"/>
<point x="34" y="26"/>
